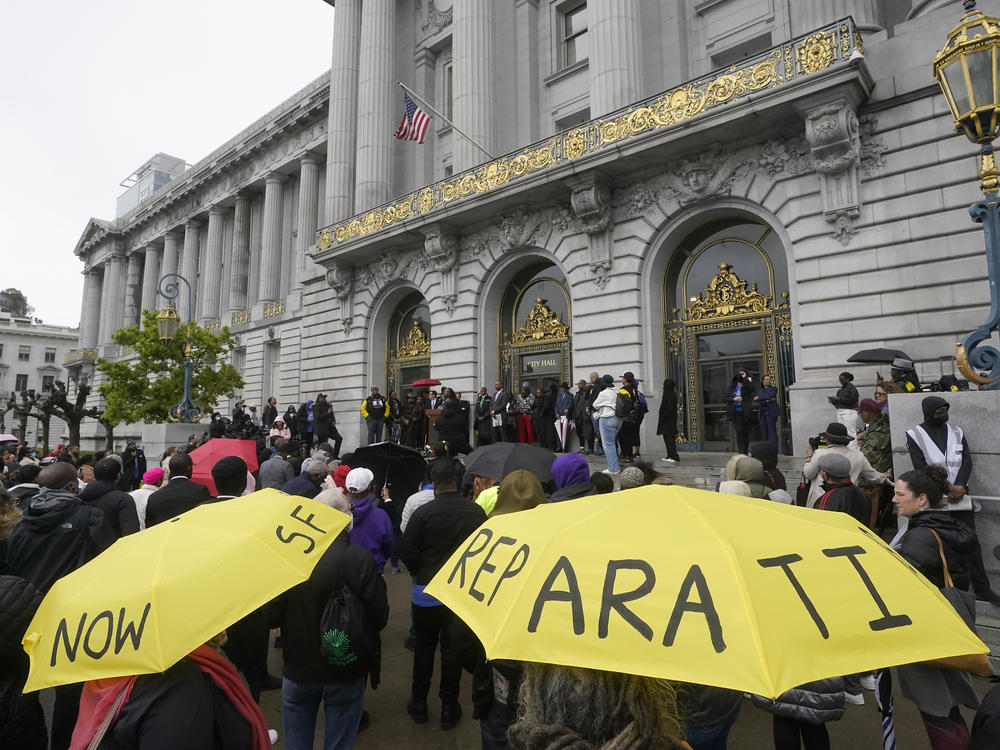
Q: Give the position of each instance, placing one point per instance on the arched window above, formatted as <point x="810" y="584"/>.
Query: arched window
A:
<point x="408" y="355"/>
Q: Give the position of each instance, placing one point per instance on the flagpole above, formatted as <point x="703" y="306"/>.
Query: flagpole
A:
<point x="454" y="127"/>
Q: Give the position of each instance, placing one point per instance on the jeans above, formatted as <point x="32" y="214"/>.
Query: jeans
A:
<point x="609" y="432"/>
<point x="375" y="430"/>
<point x="343" y="703"/>
<point x="434" y="624"/>
<point x="791" y="734"/>
<point x="596" y="424"/>
<point x="714" y="737"/>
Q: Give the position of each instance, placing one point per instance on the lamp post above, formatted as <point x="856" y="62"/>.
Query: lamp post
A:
<point x="167" y="324"/>
<point x="967" y="71"/>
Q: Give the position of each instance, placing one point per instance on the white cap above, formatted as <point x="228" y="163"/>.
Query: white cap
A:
<point x="359" y="480"/>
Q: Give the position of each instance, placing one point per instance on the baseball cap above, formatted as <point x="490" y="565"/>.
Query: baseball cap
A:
<point x="359" y="480"/>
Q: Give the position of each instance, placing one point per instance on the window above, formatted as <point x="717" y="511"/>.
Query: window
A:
<point x="50" y="355"/>
<point x="447" y="91"/>
<point x="1" y="351"/>
<point x="21" y="383"/>
<point x="23" y="353"/>
<point x="48" y="382"/>
<point x="574" y="43"/>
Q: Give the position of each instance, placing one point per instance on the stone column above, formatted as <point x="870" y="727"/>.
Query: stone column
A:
<point x="343" y="119"/>
<point x="526" y="66"/>
<point x="474" y="69"/>
<point x="239" y="258"/>
<point x="133" y="290"/>
<point x="150" y="278"/>
<point x="189" y="267"/>
<point x="90" y="319"/>
<point x="171" y="252"/>
<point x="376" y="93"/>
<point x="615" y="55"/>
<point x="212" y="277"/>
<point x="112" y="295"/>
<point x="812" y="14"/>
<point x="308" y="199"/>
<point x="270" y="250"/>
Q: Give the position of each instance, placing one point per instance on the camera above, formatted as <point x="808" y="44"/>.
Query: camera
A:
<point x="817" y="442"/>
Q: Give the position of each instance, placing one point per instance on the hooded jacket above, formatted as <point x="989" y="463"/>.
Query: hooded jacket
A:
<point x="20" y="715"/>
<point x="372" y="530"/>
<point x="766" y="452"/>
<point x="118" y="506"/>
<point x="57" y="535"/>
<point x="919" y="547"/>
<point x="748" y="470"/>
<point x="938" y="432"/>
<point x="571" y="476"/>
<point x="519" y="490"/>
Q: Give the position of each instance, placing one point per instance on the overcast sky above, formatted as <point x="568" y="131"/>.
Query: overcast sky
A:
<point x="90" y="90"/>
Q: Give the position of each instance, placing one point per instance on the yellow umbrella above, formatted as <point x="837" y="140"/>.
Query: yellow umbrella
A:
<point x="699" y="587"/>
<point x="153" y="597"/>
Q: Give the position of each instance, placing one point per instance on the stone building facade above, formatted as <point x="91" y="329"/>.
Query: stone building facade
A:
<point x="676" y="188"/>
<point x="31" y="359"/>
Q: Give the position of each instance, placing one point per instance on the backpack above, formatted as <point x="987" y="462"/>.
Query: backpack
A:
<point x="348" y="642"/>
<point x="624" y="405"/>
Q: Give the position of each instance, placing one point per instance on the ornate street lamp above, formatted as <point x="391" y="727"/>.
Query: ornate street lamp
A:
<point x="966" y="69"/>
<point x="167" y="324"/>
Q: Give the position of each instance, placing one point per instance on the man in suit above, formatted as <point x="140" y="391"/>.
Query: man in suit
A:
<point x="501" y="400"/>
<point x="179" y="495"/>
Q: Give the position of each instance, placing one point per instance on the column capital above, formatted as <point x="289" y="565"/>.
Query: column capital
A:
<point x="174" y="234"/>
<point x="311" y="158"/>
<point x="218" y="210"/>
<point x="192" y="224"/>
<point x="275" y="178"/>
<point x="244" y="195"/>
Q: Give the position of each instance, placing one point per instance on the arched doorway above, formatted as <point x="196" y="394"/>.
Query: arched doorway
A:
<point x="408" y="345"/>
<point x="725" y="295"/>
<point x="535" y="336"/>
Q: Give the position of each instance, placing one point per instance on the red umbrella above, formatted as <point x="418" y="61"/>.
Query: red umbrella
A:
<point x="425" y="383"/>
<point x="206" y="456"/>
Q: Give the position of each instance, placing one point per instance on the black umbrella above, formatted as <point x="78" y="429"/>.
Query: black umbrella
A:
<point x="497" y="460"/>
<point x="877" y="356"/>
<point x="399" y="468"/>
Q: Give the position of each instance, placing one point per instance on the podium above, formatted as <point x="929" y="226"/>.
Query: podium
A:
<point x="432" y="415"/>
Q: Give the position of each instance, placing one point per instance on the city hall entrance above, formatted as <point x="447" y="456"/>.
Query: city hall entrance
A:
<point x="723" y="314"/>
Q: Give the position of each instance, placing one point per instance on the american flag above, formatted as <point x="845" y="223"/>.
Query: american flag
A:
<point x="414" y="124"/>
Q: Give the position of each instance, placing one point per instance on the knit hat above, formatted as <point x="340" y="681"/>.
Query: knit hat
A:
<point x="834" y="464"/>
<point x="632" y="477"/>
<point x="153" y="476"/>
<point x="340" y="475"/>
<point x="359" y="480"/>
<point x="869" y="404"/>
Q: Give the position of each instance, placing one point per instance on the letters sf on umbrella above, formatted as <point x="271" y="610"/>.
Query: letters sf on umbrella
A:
<point x="213" y="564"/>
<point x="734" y="604"/>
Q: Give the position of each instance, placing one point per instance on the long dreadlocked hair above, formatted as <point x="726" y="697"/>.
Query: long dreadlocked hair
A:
<point x="570" y="707"/>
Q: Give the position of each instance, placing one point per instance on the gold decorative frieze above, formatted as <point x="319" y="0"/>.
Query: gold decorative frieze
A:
<point x="542" y="324"/>
<point x="726" y="295"/>
<point x="77" y="356"/>
<point x="416" y="344"/>
<point x="272" y="309"/>
<point x="213" y="326"/>
<point x="241" y="317"/>
<point x="806" y="55"/>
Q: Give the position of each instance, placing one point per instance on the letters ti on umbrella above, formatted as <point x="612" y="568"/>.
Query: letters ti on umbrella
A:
<point x="153" y="597"/>
<point x="697" y="586"/>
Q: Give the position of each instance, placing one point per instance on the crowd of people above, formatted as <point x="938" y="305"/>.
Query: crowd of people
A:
<point x="60" y="511"/>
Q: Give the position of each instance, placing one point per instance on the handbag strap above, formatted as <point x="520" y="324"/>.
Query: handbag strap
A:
<point x="948" y="583"/>
<point x="106" y="723"/>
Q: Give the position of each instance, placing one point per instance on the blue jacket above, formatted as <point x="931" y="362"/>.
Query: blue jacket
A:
<point x="372" y="530"/>
<point x="564" y="404"/>
<point x="302" y="485"/>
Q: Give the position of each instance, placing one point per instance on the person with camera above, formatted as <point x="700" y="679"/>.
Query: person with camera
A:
<point x="836" y="440"/>
<point x="766" y="400"/>
<point x="740" y="400"/>
<point x="133" y="467"/>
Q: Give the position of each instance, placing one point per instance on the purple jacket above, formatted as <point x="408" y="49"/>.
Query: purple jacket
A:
<point x="372" y="530"/>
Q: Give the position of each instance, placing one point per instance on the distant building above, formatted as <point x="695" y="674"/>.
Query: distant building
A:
<point x="31" y="359"/>
<point x="147" y="179"/>
<point x="679" y="189"/>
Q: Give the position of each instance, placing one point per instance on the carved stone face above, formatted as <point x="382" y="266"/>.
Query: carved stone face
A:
<point x="696" y="179"/>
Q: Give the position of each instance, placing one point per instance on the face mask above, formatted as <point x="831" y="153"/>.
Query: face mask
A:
<point x="940" y="419"/>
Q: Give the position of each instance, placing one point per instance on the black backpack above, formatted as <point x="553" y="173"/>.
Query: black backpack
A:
<point x="624" y="405"/>
<point x="349" y="643"/>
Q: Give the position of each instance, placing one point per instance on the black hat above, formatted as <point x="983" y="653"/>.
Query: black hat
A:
<point x="564" y="384"/>
<point x="608" y="380"/>
<point x="836" y="433"/>
<point x="629" y="377"/>
<point x="848" y="375"/>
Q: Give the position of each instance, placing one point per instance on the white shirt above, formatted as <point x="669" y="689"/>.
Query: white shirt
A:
<point x="604" y="404"/>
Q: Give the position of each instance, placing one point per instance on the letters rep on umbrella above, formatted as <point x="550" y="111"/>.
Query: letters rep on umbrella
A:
<point x="613" y="600"/>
